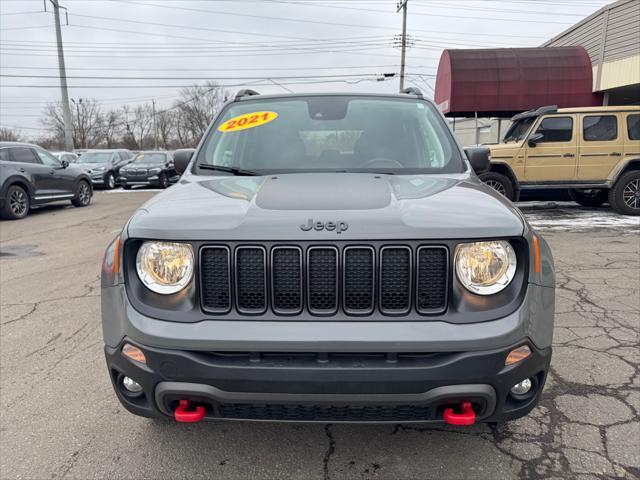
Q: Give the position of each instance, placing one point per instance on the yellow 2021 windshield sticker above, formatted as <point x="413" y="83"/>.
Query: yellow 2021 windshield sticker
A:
<point x="246" y="121"/>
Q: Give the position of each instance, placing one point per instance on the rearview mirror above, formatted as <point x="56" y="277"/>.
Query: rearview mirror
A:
<point x="181" y="159"/>
<point x="534" y="139"/>
<point x="479" y="158"/>
<point x="64" y="163"/>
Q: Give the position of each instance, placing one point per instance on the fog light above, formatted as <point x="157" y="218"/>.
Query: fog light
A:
<point x="131" y="385"/>
<point x="522" y="388"/>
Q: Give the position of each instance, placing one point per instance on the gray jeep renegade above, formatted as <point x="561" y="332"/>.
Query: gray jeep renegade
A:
<point x="329" y="258"/>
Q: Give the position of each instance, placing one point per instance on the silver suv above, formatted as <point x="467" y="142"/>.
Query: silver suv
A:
<point x="329" y="258"/>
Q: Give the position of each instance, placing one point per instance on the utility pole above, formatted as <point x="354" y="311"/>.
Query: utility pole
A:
<point x="82" y="141"/>
<point x="403" y="6"/>
<point x="66" y="113"/>
<point x="155" y="125"/>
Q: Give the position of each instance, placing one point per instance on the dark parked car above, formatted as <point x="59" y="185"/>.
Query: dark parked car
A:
<point x="68" y="156"/>
<point x="149" y="168"/>
<point x="103" y="166"/>
<point x="29" y="175"/>
<point x="329" y="258"/>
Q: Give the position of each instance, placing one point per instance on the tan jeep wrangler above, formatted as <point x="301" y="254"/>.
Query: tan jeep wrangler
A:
<point x="593" y="151"/>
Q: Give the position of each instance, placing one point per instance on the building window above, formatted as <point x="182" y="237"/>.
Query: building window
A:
<point x="633" y="126"/>
<point x="556" y="129"/>
<point x="600" y="128"/>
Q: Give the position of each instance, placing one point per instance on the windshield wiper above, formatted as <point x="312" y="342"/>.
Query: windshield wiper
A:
<point x="223" y="168"/>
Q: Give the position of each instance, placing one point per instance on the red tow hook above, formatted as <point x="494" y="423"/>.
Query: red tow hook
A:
<point x="182" y="415"/>
<point x="467" y="417"/>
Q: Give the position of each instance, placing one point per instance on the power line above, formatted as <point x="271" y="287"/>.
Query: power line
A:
<point x="293" y="77"/>
<point x="290" y="2"/>
<point x="312" y="82"/>
<point x="233" y="69"/>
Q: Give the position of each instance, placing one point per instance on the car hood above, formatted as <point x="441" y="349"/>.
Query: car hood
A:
<point x="89" y="167"/>
<point x="504" y="150"/>
<point x="146" y="166"/>
<point x="374" y="207"/>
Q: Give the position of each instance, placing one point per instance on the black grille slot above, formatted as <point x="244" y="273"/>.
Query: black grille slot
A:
<point x="251" y="285"/>
<point x="216" y="280"/>
<point x="433" y="266"/>
<point x="286" y="280"/>
<point x="395" y="280"/>
<point x="325" y="413"/>
<point x="359" y="274"/>
<point x="322" y="281"/>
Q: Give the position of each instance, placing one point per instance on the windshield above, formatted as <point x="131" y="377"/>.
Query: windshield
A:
<point x="95" y="157"/>
<point x="331" y="133"/>
<point x="518" y="130"/>
<point x="150" y="157"/>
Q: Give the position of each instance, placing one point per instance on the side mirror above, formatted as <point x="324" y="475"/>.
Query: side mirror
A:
<point x="64" y="163"/>
<point x="181" y="160"/>
<point x="535" y="139"/>
<point x="479" y="158"/>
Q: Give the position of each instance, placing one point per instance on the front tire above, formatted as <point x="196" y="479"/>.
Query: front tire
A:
<point x="589" y="198"/>
<point x="17" y="203"/>
<point x="500" y="183"/>
<point x="110" y="181"/>
<point x="624" y="197"/>
<point x="83" y="195"/>
<point x="163" y="180"/>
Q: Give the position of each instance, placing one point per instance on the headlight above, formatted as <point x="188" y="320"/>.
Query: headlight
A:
<point x="155" y="170"/>
<point x="485" y="268"/>
<point x="165" y="267"/>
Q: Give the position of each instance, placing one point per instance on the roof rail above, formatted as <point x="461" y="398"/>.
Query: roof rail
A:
<point x="412" y="91"/>
<point x="246" y="92"/>
<point x="535" y="112"/>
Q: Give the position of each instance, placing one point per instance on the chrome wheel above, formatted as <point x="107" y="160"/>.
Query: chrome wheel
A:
<point x="497" y="186"/>
<point x="18" y="203"/>
<point x="111" y="182"/>
<point x="84" y="193"/>
<point x="631" y="194"/>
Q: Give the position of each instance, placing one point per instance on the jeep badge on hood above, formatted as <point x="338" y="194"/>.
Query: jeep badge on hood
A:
<point x="339" y="227"/>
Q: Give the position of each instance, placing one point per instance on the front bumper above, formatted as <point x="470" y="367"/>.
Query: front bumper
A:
<point x="329" y="387"/>
<point x="152" y="180"/>
<point x="97" y="179"/>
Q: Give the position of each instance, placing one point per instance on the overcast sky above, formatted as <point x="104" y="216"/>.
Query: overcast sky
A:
<point x="329" y="45"/>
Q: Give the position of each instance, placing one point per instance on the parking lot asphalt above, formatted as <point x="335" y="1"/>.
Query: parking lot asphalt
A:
<point x="60" y="419"/>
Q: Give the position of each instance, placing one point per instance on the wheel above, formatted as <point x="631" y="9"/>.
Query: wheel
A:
<point x="624" y="197"/>
<point x="499" y="183"/>
<point x="589" y="198"/>
<point x="83" y="195"/>
<point x="110" y="181"/>
<point x="163" y="181"/>
<point x="17" y="203"/>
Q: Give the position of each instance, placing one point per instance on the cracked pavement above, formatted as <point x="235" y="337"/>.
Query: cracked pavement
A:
<point x="60" y="418"/>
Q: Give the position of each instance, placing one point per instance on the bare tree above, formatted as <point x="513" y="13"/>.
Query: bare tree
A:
<point x="9" y="135"/>
<point x="198" y="105"/>
<point x="139" y="124"/>
<point x="166" y="121"/>
<point x="86" y="119"/>
<point x="112" y="127"/>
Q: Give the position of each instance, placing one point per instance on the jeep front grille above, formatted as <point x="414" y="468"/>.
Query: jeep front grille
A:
<point x="324" y="280"/>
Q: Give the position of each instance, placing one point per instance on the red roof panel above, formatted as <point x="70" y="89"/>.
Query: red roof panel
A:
<point x="505" y="81"/>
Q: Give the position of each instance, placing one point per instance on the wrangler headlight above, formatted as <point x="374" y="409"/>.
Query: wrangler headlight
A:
<point x="485" y="268"/>
<point x="165" y="267"/>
